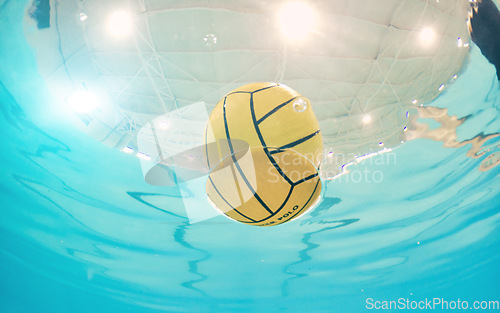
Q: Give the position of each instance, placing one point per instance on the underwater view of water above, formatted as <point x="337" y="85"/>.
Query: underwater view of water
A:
<point x="81" y="230"/>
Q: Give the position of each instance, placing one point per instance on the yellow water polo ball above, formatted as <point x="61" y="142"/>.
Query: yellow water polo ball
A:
<point x="276" y="179"/>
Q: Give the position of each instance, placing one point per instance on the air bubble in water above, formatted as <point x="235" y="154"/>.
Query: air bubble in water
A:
<point x="83" y="16"/>
<point x="300" y="105"/>
<point x="210" y="39"/>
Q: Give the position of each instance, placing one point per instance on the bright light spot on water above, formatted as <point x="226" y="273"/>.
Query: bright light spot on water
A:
<point x="163" y="125"/>
<point x="83" y="101"/>
<point x="367" y="119"/>
<point x="143" y="156"/>
<point x="83" y="16"/>
<point x="120" y="24"/>
<point x="296" y="20"/>
<point x="128" y="150"/>
<point x="427" y="36"/>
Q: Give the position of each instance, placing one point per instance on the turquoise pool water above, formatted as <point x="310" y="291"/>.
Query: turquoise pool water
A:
<point x="81" y="231"/>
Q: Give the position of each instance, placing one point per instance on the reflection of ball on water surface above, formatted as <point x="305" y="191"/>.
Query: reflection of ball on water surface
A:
<point x="256" y="189"/>
<point x="277" y="179"/>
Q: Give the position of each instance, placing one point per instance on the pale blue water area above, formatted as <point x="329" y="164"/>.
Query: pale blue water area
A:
<point x="81" y="231"/>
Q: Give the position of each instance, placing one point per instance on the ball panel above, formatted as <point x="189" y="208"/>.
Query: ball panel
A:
<point x="271" y="187"/>
<point x="311" y="149"/>
<point x="249" y="182"/>
<point x="301" y="132"/>
<point x="234" y="183"/>
<point x="253" y="209"/>
<point x="294" y="165"/>
<point x="250" y="211"/>
<point x="222" y="205"/>
<point x="267" y="100"/>
<point x="304" y="198"/>
<point x="238" y="117"/>
<point x="211" y="152"/>
<point x="215" y="132"/>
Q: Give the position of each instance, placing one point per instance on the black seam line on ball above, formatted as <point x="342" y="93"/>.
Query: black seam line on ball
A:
<point x="228" y="137"/>
<point x="265" y="88"/>
<point x="237" y="185"/>
<point x="276" y="151"/>
<point x="286" y="200"/>
<point x="275" y="110"/>
<point x="263" y="143"/>
<point x="308" y="200"/>
<point x="278" y="210"/>
<point x="299" y="141"/>
<point x="233" y="208"/>
<point x="305" y="179"/>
